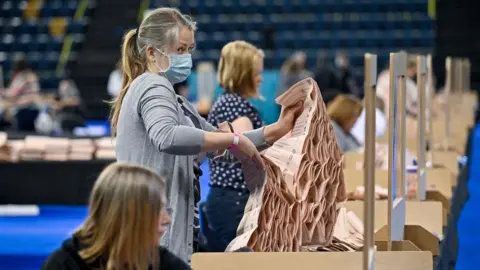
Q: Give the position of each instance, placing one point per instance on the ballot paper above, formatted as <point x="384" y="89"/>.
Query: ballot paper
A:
<point x="294" y="203"/>
<point x="5" y="149"/>
<point x="381" y="157"/>
<point x="105" y="148"/>
<point x="347" y="234"/>
<point x="359" y="193"/>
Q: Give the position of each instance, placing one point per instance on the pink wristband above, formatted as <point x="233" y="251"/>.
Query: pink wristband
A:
<point x="236" y="139"/>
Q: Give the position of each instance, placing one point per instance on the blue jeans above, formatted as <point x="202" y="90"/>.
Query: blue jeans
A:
<point x="223" y="212"/>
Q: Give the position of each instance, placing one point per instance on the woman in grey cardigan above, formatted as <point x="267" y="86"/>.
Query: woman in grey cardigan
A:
<point x="162" y="131"/>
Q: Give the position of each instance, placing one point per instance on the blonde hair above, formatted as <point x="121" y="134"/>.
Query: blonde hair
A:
<point x="237" y="67"/>
<point x="344" y="108"/>
<point x="121" y="229"/>
<point x="160" y="29"/>
<point x="411" y="61"/>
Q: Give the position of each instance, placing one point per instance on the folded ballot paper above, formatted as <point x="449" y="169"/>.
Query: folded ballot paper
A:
<point x="294" y="202"/>
<point x="347" y="234"/>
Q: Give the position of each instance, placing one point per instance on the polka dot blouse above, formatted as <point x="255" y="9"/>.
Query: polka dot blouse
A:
<point x="229" y="107"/>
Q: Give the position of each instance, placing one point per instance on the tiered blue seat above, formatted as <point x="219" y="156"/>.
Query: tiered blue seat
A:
<point x="10" y="9"/>
<point x="32" y="38"/>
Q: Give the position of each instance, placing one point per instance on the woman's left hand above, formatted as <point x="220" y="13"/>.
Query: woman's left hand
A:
<point x="289" y="116"/>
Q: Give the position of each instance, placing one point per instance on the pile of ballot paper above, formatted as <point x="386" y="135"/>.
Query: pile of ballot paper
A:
<point x="359" y="193"/>
<point x="294" y="203"/>
<point x="5" y="149"/>
<point x="347" y="234"/>
<point x="81" y="149"/>
<point x="381" y="157"/>
<point x="105" y="148"/>
<point x="55" y="149"/>
<point x="33" y="148"/>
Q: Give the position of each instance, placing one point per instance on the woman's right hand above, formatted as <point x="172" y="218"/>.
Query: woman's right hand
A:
<point x="249" y="149"/>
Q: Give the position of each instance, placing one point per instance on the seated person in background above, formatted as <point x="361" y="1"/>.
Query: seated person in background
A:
<point x="240" y="75"/>
<point x="326" y="76"/>
<point x="329" y="95"/>
<point x="347" y="83"/>
<point x="114" y="85"/>
<point x="381" y="122"/>
<point x="344" y="112"/>
<point x="22" y="95"/>
<point x="127" y="216"/>
<point x="293" y="71"/>
<point x="383" y="88"/>
<point x="68" y="106"/>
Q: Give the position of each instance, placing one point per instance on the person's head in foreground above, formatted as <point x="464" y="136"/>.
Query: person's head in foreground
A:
<point x="344" y="110"/>
<point x="127" y="216"/>
<point x="240" y="69"/>
<point x="162" y="44"/>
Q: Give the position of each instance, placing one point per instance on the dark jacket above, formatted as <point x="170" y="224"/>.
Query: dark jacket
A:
<point x="67" y="257"/>
<point x="327" y="78"/>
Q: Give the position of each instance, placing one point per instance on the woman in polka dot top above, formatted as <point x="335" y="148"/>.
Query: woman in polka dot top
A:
<point x="240" y="75"/>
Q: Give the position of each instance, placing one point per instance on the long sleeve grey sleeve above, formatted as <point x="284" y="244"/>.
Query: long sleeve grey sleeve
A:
<point x="158" y="110"/>
<point x="256" y="136"/>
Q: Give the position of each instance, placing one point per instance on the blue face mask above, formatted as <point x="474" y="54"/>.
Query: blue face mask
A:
<point x="180" y="68"/>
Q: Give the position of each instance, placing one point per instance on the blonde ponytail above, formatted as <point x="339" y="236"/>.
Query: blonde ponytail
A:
<point x="133" y="65"/>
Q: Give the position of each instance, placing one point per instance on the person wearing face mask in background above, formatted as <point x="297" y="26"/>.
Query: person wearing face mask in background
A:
<point x="293" y="70"/>
<point x="162" y="131"/>
<point x="347" y="83"/>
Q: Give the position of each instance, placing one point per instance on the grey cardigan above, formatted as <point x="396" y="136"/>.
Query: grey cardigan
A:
<point x="153" y="131"/>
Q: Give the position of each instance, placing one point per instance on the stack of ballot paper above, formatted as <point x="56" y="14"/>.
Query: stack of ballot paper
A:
<point x="347" y="234"/>
<point x="57" y="149"/>
<point x="81" y="149"/>
<point x="294" y="203"/>
<point x="16" y="148"/>
<point x="359" y="194"/>
<point x="5" y="149"/>
<point x="34" y="148"/>
<point x="381" y="157"/>
<point x="105" y="148"/>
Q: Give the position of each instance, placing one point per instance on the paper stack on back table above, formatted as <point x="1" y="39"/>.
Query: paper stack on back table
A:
<point x="5" y="149"/>
<point x="105" y="148"/>
<point x="34" y="148"/>
<point x="57" y="149"/>
<point x="347" y="234"/>
<point x="295" y="203"/>
<point x="81" y="149"/>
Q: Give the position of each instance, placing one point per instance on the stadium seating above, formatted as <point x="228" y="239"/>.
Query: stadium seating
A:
<point x="379" y="26"/>
<point x="358" y="26"/>
<point x="38" y="30"/>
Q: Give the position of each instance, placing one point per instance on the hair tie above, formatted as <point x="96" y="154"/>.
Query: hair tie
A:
<point x="137" y="31"/>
